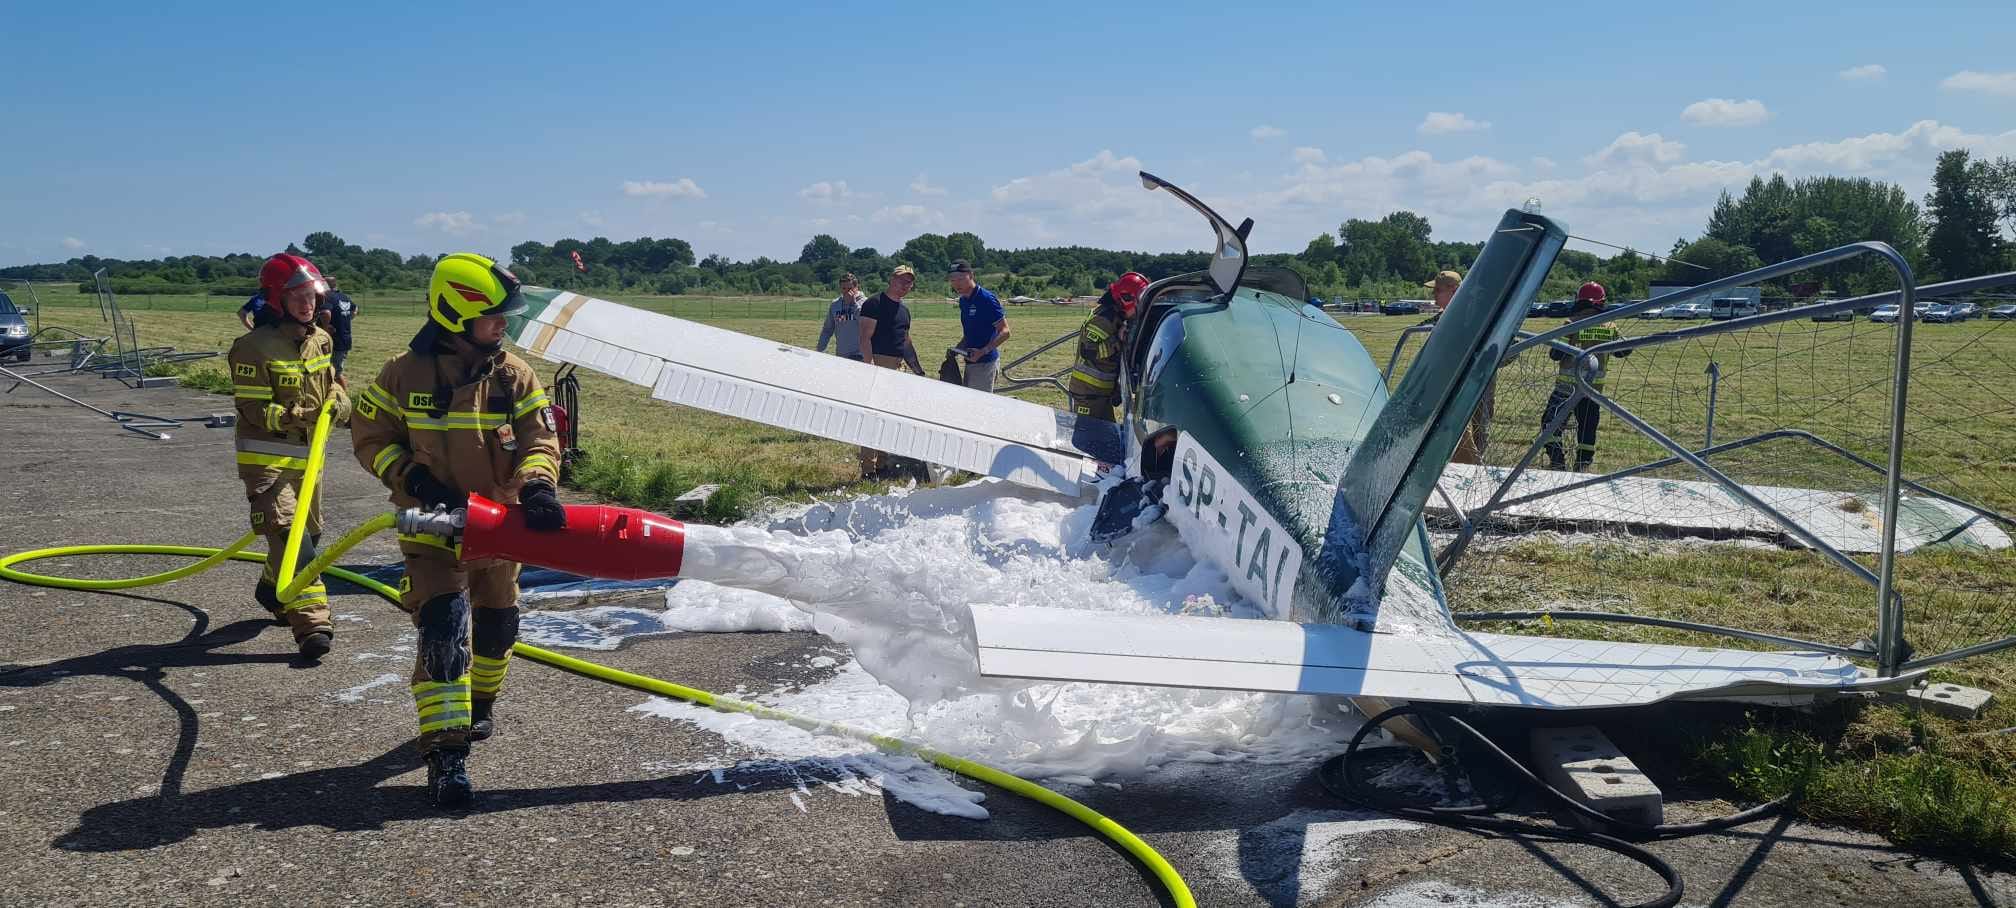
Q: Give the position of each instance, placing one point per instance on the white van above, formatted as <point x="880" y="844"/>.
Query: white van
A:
<point x="1732" y="307"/>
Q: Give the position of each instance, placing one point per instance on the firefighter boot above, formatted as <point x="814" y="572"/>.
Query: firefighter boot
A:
<point x="316" y="645"/>
<point x="480" y="724"/>
<point x="269" y="598"/>
<point x="448" y="776"/>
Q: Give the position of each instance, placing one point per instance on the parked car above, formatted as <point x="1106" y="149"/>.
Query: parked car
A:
<point x="1317" y="301"/>
<point x="1654" y="312"/>
<point x="1945" y="314"/>
<point x="2002" y="312"/>
<point x="1732" y="307"/>
<point x="1845" y="315"/>
<point x="1964" y="311"/>
<point x="1551" y="309"/>
<point x="1689" y="310"/>
<point x="14" y="331"/>
<point x="1400" y="307"/>
<point x="1885" y="314"/>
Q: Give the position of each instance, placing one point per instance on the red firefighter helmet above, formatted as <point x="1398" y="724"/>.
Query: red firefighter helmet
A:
<point x="284" y="272"/>
<point x="1591" y="292"/>
<point x="1127" y="290"/>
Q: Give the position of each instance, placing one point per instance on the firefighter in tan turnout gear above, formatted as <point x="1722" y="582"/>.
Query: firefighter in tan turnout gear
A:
<point x="1095" y="376"/>
<point x="454" y="415"/>
<point x="281" y="374"/>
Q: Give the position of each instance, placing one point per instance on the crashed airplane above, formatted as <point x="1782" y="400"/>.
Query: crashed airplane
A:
<point x="1263" y="432"/>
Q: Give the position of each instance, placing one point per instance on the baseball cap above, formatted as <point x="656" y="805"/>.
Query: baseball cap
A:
<point x="1446" y="277"/>
<point x="903" y="269"/>
<point x="960" y="267"/>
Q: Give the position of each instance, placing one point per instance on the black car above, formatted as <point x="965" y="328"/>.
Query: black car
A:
<point x="1400" y="307"/>
<point x="1551" y="309"/>
<point x="14" y="332"/>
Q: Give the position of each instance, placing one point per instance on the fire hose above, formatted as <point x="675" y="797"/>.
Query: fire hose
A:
<point x="611" y="543"/>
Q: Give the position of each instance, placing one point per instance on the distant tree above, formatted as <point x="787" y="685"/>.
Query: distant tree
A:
<point x="821" y="248"/>
<point x="1717" y="259"/>
<point x="1965" y="239"/>
<point x="965" y="247"/>
<point x="1321" y="249"/>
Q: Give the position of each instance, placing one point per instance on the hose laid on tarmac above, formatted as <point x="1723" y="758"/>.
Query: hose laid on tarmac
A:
<point x="290" y="584"/>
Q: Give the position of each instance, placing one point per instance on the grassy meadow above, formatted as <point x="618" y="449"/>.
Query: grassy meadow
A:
<point x="1884" y="768"/>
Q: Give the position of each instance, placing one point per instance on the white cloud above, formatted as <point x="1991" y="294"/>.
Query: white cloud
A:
<point x="509" y="219"/>
<point x="1865" y="72"/>
<point x="1638" y="148"/>
<point x="592" y="218"/>
<point x="1093" y="191"/>
<point x="1439" y="123"/>
<point x="1308" y="155"/>
<point x="922" y="186"/>
<point x="1986" y="83"/>
<point x="1263" y="133"/>
<point x="906" y="215"/>
<point x="453" y="223"/>
<point x="682" y="188"/>
<point x="826" y="191"/>
<point x="1724" y="112"/>
<point x="72" y="243"/>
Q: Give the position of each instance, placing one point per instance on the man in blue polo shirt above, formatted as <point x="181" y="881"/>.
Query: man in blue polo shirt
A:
<point x="983" y="327"/>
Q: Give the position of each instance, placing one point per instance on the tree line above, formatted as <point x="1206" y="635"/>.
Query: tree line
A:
<point x="1958" y="231"/>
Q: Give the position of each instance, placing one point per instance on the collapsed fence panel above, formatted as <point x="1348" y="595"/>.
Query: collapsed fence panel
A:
<point x="1753" y="493"/>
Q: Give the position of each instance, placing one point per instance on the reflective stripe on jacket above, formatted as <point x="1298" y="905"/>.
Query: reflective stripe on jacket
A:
<point x="281" y="373"/>
<point x="1097" y="370"/>
<point x="484" y="427"/>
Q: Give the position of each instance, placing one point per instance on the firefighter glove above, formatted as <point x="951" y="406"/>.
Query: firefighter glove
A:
<point x="433" y="492"/>
<point x="542" y="507"/>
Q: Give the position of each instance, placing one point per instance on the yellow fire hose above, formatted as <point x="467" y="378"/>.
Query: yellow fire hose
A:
<point x="290" y="584"/>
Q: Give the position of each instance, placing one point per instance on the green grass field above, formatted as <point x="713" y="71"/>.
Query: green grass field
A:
<point x="1832" y="378"/>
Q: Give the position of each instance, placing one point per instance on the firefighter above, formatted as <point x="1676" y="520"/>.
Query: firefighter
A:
<point x="1589" y="301"/>
<point x="454" y="415"/>
<point x="1095" y="377"/>
<point x="281" y="374"/>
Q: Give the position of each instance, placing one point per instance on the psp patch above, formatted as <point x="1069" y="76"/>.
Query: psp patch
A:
<point x="420" y="400"/>
<point x="245" y="370"/>
<point x="288" y="380"/>
<point x="366" y="408"/>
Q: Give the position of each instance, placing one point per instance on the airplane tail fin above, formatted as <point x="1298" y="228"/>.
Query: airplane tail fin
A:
<point x="1390" y="475"/>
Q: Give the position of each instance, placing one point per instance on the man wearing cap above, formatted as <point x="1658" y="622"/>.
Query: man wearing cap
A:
<point x="1469" y="448"/>
<point x="1589" y="302"/>
<point x="885" y="341"/>
<point x="983" y="327"/>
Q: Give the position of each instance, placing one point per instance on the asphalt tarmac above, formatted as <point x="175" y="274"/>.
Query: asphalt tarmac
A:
<point x="167" y="747"/>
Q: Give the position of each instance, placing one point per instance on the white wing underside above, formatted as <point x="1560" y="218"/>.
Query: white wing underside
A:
<point x="794" y="388"/>
<point x="1482" y="669"/>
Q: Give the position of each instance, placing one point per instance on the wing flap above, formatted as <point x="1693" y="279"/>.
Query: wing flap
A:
<point x="1483" y="669"/>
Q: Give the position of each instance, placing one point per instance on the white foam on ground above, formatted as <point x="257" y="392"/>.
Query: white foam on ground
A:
<point x="1446" y="895"/>
<point x="1295" y="859"/>
<point x="903" y="575"/>
<point x="356" y="694"/>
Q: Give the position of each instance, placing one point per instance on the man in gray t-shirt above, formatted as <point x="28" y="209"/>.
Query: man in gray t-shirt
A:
<point x="842" y="325"/>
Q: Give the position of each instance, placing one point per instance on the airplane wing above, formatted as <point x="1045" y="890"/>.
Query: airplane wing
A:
<point x="777" y="384"/>
<point x="1056" y="644"/>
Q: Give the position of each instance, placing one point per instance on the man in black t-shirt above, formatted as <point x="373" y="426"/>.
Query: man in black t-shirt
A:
<point x="334" y="316"/>
<point x="885" y="341"/>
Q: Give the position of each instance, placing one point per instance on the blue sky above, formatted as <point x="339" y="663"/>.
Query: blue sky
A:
<point x="745" y="128"/>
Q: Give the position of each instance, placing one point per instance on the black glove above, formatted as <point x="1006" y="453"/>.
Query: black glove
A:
<point x="433" y="492"/>
<point x="1557" y="356"/>
<point x="541" y="507"/>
